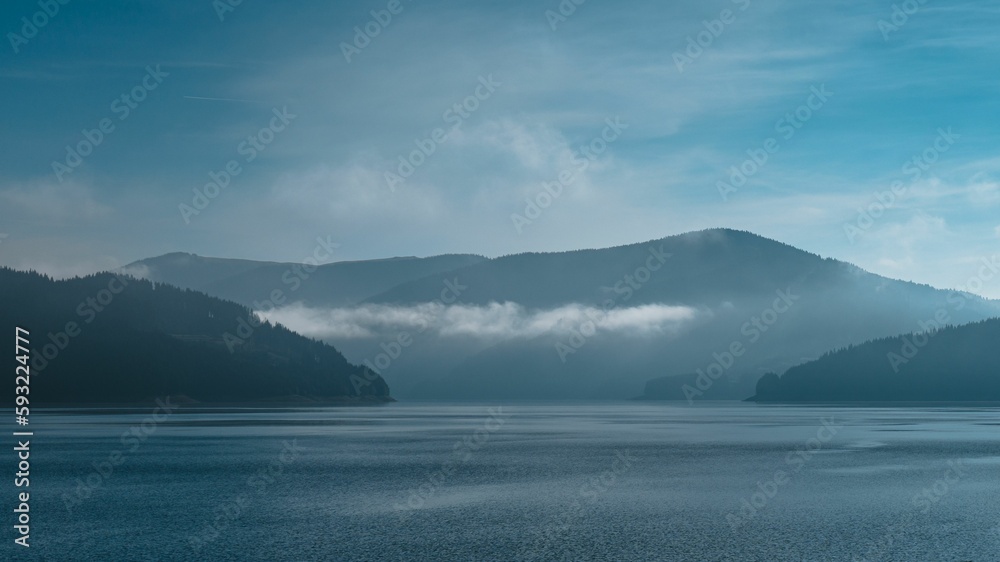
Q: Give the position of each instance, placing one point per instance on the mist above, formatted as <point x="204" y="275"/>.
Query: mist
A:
<point x="493" y="322"/>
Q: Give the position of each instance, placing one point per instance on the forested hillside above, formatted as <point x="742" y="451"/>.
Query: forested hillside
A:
<point x="951" y="364"/>
<point x="112" y="339"/>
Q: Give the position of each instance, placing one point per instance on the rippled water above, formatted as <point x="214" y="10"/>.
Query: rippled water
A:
<point x="518" y="482"/>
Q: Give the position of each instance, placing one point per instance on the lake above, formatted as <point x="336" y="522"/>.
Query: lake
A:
<point x="609" y="481"/>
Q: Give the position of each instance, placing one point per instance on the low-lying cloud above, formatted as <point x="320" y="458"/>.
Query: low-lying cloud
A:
<point x="495" y="321"/>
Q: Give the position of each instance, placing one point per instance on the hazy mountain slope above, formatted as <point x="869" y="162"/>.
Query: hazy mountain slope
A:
<point x="107" y="338"/>
<point x="729" y="282"/>
<point x="706" y="267"/>
<point x="334" y="284"/>
<point x="694" y="267"/>
<point x="952" y="364"/>
<point x="189" y="271"/>
<point x="730" y="278"/>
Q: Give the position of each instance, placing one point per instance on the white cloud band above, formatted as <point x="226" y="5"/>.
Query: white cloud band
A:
<point x="494" y="321"/>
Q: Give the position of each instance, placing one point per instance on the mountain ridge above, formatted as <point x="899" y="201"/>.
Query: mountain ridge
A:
<point x="108" y="338"/>
<point x="726" y="277"/>
<point x="946" y="363"/>
<point x="331" y="284"/>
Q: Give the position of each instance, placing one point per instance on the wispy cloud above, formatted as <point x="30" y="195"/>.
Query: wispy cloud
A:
<point x="45" y="200"/>
<point x="686" y="129"/>
<point x="494" y="322"/>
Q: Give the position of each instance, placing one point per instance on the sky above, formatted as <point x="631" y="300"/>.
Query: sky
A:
<point x="858" y="130"/>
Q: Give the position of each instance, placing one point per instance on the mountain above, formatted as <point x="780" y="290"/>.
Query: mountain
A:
<point x="692" y="268"/>
<point x="111" y="338"/>
<point x="949" y="364"/>
<point x="756" y="305"/>
<point x="253" y="283"/>
<point x="698" y="316"/>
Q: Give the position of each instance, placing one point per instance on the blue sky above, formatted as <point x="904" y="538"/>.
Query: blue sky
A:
<point x="682" y="127"/>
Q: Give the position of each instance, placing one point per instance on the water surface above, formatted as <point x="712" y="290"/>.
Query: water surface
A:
<point x="518" y="482"/>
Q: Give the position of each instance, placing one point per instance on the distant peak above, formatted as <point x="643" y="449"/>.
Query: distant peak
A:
<point x="721" y="234"/>
<point x="173" y="255"/>
<point x="732" y="232"/>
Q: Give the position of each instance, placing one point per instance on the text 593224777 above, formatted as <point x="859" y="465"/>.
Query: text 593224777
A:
<point x="22" y="380"/>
